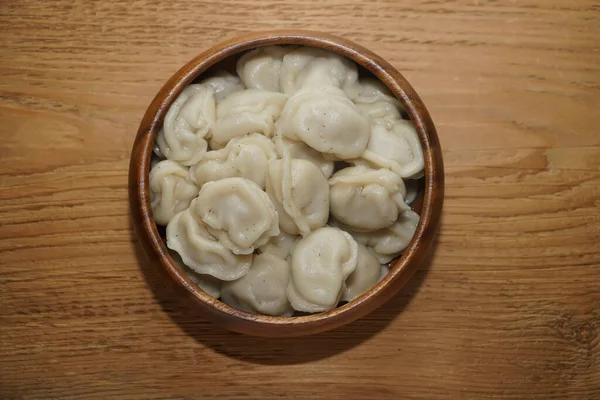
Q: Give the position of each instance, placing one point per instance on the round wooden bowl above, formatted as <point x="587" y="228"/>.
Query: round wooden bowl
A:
<point x="429" y="205"/>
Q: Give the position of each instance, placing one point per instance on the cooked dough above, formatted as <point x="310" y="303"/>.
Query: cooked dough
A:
<point x="321" y="262"/>
<point x="224" y="84"/>
<point x="245" y="112"/>
<point x="312" y="67"/>
<point x="375" y="100"/>
<point x="187" y="235"/>
<point x="187" y="125"/>
<point x="364" y="277"/>
<point x="296" y="149"/>
<point x="326" y="120"/>
<point x="388" y="243"/>
<point x="263" y="289"/>
<point x="245" y="157"/>
<point x="398" y="149"/>
<point x="170" y="190"/>
<point x="300" y="193"/>
<point x="260" y="68"/>
<point x="238" y="213"/>
<point x="208" y="283"/>
<point x="366" y="199"/>
<point x="280" y="245"/>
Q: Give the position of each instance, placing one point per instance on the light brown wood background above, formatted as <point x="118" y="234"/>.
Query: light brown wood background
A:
<point x="509" y="307"/>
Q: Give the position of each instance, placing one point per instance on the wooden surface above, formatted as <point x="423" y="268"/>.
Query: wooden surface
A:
<point x="508" y="308"/>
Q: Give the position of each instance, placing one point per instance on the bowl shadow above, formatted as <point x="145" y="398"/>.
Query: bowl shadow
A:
<point x="269" y="351"/>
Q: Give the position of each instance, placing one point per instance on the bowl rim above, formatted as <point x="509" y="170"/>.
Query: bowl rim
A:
<point x="400" y="271"/>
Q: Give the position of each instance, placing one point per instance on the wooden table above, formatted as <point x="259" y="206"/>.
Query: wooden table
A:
<point x="509" y="307"/>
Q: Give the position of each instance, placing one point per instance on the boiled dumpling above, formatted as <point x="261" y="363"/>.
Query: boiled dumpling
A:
<point x="320" y="263"/>
<point x="245" y="112"/>
<point x="372" y="90"/>
<point x="187" y="125"/>
<point x="208" y="283"/>
<point x="156" y="150"/>
<point x="312" y="67"/>
<point x="224" y="84"/>
<point x="364" y="277"/>
<point x="238" y="213"/>
<point x="375" y="100"/>
<point x="326" y="120"/>
<point x="412" y="190"/>
<point x="280" y="245"/>
<point x="366" y="199"/>
<point x="384" y="271"/>
<point x="398" y="149"/>
<point x="263" y="289"/>
<point x="382" y="113"/>
<point x="260" y="68"/>
<point x="389" y="242"/>
<point x="296" y="149"/>
<point x="300" y="193"/>
<point x="187" y="235"/>
<point x="246" y="157"/>
<point x="170" y="190"/>
<point x="411" y="184"/>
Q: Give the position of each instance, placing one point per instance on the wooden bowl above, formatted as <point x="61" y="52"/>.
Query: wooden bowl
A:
<point x="429" y="206"/>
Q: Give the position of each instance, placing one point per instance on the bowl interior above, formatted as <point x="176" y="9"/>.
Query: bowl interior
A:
<point x="427" y="203"/>
<point x="229" y="64"/>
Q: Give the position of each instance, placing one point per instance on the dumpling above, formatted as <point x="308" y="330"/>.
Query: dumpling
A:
<point x="372" y="90"/>
<point x="245" y="112"/>
<point x="313" y="67"/>
<point x="224" y="84"/>
<point x="296" y="149"/>
<point x="280" y="245"/>
<point x="208" y="283"/>
<point x="320" y="263"/>
<point x="364" y="277"/>
<point x="238" y="213"/>
<point x="187" y="235"/>
<point x="326" y="120"/>
<point x="412" y="190"/>
<point x="300" y="193"/>
<point x="384" y="271"/>
<point x="260" y="68"/>
<point x="375" y="100"/>
<point x="263" y="289"/>
<point x="170" y="190"/>
<point x="382" y="113"/>
<point x="388" y="243"/>
<point x="156" y="150"/>
<point x="366" y="199"/>
<point x="398" y="149"/>
<point x="246" y="157"/>
<point x="187" y="125"/>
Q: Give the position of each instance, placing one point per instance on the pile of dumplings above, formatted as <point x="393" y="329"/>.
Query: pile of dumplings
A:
<point x="286" y="188"/>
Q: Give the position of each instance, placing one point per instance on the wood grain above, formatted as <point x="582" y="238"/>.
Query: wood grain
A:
<point x="508" y="308"/>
